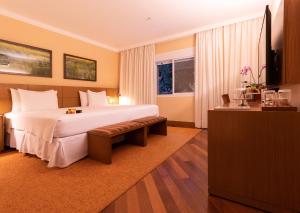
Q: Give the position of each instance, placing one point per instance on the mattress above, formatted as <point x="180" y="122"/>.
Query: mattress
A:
<point x="91" y="118"/>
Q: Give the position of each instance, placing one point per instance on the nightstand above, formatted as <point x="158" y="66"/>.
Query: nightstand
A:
<point x="1" y="133"/>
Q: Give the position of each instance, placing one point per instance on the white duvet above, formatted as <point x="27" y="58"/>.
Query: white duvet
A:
<point x="38" y="123"/>
<point x="41" y="127"/>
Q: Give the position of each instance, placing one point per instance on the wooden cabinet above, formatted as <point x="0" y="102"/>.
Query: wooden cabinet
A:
<point x="292" y="41"/>
<point x="1" y="133"/>
<point x="253" y="158"/>
<point x="286" y="38"/>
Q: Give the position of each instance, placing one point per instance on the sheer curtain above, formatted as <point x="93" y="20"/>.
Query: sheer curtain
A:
<point x="137" y="75"/>
<point x="220" y="54"/>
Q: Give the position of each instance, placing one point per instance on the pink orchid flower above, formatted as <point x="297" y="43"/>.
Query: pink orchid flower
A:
<point x="245" y="70"/>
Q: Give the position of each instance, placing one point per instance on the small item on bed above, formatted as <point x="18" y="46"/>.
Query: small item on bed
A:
<point x="71" y="111"/>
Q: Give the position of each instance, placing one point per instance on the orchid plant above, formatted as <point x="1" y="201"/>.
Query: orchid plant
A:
<point x="247" y="69"/>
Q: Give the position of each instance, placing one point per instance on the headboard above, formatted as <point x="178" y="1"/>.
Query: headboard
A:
<point x="68" y="96"/>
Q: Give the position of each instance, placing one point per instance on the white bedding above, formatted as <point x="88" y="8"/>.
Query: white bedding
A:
<point x="41" y="128"/>
<point x="90" y="118"/>
<point x="64" y="151"/>
<point x="101" y="116"/>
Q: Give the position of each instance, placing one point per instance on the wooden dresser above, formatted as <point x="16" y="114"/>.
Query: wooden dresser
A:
<point x="254" y="158"/>
<point x="285" y="38"/>
<point x="1" y="133"/>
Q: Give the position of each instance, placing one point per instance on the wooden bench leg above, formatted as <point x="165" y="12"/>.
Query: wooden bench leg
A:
<point x="159" y="128"/>
<point x="100" y="148"/>
<point x="137" y="137"/>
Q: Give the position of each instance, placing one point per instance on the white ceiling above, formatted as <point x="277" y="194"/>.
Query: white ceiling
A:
<point x="119" y="24"/>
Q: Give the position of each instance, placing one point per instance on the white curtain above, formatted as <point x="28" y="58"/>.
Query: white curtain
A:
<point x="137" y="75"/>
<point x="220" y="55"/>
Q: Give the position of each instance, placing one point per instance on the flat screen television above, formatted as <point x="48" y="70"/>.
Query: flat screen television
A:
<point x="266" y="55"/>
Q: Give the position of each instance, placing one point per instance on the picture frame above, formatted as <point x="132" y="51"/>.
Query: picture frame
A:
<point x="79" y="68"/>
<point x="23" y="59"/>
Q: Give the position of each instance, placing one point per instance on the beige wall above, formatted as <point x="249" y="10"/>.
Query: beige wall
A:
<point x="107" y="61"/>
<point x="176" y="108"/>
<point x="179" y="108"/>
<point x="177" y="44"/>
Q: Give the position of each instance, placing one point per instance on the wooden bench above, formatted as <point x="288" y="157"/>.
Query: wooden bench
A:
<point x="154" y="124"/>
<point x="100" y="140"/>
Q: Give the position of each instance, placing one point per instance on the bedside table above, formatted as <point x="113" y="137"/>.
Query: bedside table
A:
<point x="1" y="133"/>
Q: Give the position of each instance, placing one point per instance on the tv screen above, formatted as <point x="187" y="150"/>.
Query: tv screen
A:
<point x="265" y="53"/>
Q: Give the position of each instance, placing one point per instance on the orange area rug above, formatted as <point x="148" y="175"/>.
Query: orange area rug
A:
<point x="27" y="185"/>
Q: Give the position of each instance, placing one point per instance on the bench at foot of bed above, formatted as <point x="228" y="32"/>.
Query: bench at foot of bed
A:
<point x="100" y="140"/>
<point x="154" y="124"/>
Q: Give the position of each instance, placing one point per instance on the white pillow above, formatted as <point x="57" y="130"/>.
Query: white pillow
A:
<point x="83" y="99"/>
<point x="97" y="99"/>
<point x="16" y="100"/>
<point x="34" y="100"/>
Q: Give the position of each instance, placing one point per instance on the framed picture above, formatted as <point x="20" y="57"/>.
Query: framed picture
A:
<point x="78" y="68"/>
<point x="21" y="59"/>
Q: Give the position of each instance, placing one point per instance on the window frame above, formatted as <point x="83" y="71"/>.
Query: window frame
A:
<point x="172" y="60"/>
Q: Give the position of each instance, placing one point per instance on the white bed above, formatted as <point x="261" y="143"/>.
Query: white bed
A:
<point x="61" y="139"/>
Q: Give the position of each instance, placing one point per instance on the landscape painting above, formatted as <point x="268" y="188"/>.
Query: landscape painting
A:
<point x="78" y="68"/>
<point x="20" y="59"/>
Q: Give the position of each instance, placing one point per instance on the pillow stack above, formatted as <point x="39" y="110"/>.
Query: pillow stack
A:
<point x="93" y="99"/>
<point x="26" y="100"/>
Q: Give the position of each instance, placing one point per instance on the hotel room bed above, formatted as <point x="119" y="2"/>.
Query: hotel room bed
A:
<point x="61" y="139"/>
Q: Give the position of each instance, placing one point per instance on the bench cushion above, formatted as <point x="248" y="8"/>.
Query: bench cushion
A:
<point x="116" y="129"/>
<point x="148" y="121"/>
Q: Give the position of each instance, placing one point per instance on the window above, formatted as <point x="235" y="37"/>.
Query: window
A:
<point x="184" y="75"/>
<point x="176" y="76"/>
<point x="165" y="78"/>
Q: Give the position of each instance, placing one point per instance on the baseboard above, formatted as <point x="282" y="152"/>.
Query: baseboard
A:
<point x="248" y="201"/>
<point x="181" y="124"/>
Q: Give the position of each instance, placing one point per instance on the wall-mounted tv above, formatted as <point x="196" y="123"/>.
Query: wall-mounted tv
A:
<point x="266" y="55"/>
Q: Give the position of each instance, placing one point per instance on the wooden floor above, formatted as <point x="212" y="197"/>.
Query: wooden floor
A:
<point x="178" y="185"/>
